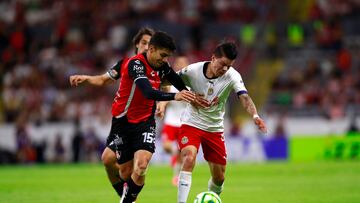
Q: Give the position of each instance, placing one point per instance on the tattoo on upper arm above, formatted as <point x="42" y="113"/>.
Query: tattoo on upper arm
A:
<point x="248" y="104"/>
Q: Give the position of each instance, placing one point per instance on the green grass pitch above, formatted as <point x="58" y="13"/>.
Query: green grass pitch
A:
<point x="315" y="182"/>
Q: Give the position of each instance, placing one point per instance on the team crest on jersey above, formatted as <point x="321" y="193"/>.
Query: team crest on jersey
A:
<point x="210" y="91"/>
<point x="184" y="140"/>
<point x="152" y="73"/>
<point x="137" y="61"/>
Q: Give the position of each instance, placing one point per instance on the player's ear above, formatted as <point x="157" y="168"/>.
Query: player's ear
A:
<point x="213" y="58"/>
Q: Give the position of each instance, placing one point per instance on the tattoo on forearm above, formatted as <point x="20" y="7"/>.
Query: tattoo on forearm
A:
<point x="248" y="104"/>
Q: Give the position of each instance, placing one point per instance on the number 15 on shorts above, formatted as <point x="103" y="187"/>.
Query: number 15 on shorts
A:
<point x="148" y="137"/>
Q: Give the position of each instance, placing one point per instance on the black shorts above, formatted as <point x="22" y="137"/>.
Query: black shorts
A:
<point x="126" y="138"/>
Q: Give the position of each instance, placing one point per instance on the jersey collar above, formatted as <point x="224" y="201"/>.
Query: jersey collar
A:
<point x="205" y="67"/>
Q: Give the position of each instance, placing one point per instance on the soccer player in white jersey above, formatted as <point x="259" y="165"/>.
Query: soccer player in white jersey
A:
<point x="215" y="80"/>
<point x="171" y="124"/>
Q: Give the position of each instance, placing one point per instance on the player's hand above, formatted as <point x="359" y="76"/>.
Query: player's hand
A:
<point x="160" y="109"/>
<point x="185" y="95"/>
<point x="200" y="101"/>
<point x="75" y="80"/>
<point x="261" y="124"/>
<point x="215" y="101"/>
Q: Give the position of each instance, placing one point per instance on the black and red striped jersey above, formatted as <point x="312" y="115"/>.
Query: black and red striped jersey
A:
<point x="129" y="99"/>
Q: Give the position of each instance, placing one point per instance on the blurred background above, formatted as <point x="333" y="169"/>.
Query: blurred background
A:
<point x="300" y="61"/>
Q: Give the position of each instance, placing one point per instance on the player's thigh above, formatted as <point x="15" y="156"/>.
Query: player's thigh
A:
<point x="213" y="145"/>
<point x="142" y="158"/>
<point x="188" y="154"/>
<point x="108" y="156"/>
<point x="189" y="136"/>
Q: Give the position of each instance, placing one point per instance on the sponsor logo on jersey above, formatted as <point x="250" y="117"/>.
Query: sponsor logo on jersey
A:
<point x="184" y="140"/>
<point x="138" y="68"/>
<point x="152" y="73"/>
<point x="137" y="61"/>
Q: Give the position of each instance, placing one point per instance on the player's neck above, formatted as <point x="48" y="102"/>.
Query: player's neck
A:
<point x="209" y="73"/>
<point x="147" y="57"/>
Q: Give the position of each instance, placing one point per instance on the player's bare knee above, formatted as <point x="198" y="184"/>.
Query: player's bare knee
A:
<point x="141" y="167"/>
<point x="107" y="159"/>
<point x="189" y="161"/>
<point x="190" y="157"/>
<point x="141" y="170"/>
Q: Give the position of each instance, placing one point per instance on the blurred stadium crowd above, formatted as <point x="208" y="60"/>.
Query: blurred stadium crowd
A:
<point x="310" y="48"/>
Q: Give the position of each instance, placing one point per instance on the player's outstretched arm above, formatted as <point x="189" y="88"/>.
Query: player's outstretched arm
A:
<point x="249" y="105"/>
<point x="96" y="80"/>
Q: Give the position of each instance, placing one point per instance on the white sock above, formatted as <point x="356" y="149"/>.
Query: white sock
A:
<point x="184" y="186"/>
<point x="215" y="188"/>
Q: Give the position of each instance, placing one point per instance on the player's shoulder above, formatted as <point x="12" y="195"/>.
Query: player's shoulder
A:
<point x="137" y="59"/>
<point x="136" y="63"/>
<point x="233" y="73"/>
<point x="194" y="66"/>
<point x="197" y="64"/>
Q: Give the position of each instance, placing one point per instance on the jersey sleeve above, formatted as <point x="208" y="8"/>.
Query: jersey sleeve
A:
<point x="238" y="83"/>
<point x="115" y="70"/>
<point x="184" y="74"/>
<point x="169" y="74"/>
<point x="136" y="69"/>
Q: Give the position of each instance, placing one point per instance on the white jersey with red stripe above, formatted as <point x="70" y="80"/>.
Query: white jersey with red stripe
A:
<point x="209" y="119"/>
<point x="174" y="110"/>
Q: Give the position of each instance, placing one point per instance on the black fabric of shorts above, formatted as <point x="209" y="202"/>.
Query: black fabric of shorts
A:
<point x="126" y="138"/>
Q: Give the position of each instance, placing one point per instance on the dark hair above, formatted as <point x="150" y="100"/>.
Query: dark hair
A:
<point x="227" y="49"/>
<point x="162" y="40"/>
<point x="140" y="33"/>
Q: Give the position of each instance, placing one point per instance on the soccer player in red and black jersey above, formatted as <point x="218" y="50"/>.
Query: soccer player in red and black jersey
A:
<point x="133" y="125"/>
<point x="134" y="107"/>
<point x="141" y="41"/>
